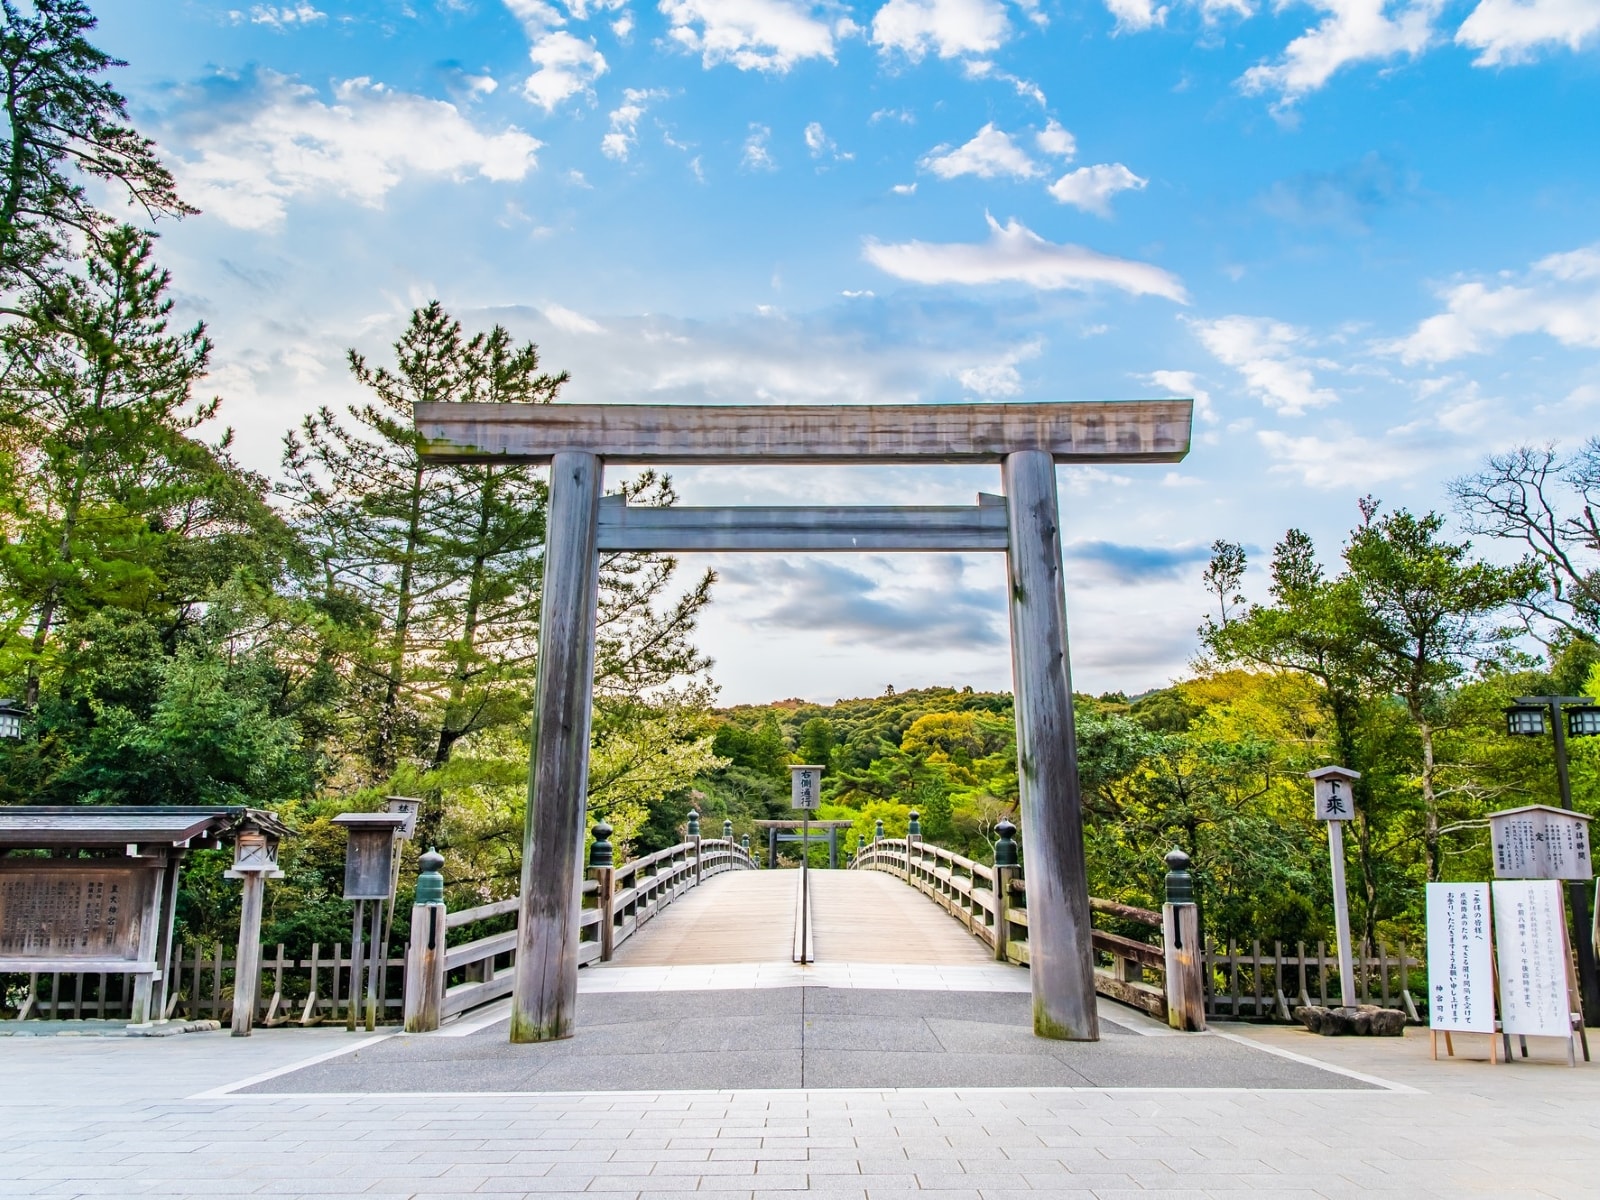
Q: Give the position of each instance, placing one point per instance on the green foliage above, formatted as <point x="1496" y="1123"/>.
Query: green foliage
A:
<point x="64" y="125"/>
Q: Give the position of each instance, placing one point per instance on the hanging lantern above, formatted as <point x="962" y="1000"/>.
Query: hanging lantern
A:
<point x="1525" y="720"/>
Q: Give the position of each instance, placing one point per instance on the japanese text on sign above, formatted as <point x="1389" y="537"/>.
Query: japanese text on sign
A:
<point x="1531" y="942"/>
<point x="805" y="787"/>
<point x="1460" y="971"/>
<point x="1334" y="801"/>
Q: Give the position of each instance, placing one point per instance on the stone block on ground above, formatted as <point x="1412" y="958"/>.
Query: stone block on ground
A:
<point x="1364" y="1020"/>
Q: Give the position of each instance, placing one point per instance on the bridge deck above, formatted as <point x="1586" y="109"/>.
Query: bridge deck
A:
<point x="748" y="916"/>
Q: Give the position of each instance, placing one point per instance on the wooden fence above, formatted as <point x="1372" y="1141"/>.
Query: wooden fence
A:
<point x="1268" y="984"/>
<point x="316" y="989"/>
<point x="1239" y="985"/>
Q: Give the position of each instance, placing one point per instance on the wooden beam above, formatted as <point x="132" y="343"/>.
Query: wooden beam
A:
<point x="545" y="993"/>
<point x="1093" y="431"/>
<point x="1060" y="961"/>
<point x="631" y="527"/>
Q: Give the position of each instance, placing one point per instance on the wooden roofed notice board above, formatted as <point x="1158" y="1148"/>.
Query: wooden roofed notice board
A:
<point x="1540" y="842"/>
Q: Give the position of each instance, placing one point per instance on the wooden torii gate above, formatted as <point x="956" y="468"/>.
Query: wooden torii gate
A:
<point x="1027" y="440"/>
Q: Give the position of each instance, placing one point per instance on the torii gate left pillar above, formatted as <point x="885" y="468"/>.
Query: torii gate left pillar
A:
<point x="1028" y="440"/>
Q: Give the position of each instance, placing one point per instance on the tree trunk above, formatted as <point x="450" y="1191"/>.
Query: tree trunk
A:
<point x="1430" y="802"/>
<point x="402" y="626"/>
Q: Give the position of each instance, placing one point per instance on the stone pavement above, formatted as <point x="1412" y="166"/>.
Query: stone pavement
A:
<point x="193" y="1116"/>
<point x="802" y="1037"/>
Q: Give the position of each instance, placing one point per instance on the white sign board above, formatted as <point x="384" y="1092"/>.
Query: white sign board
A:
<point x="805" y="787"/>
<point x="1540" y="842"/>
<point x="1531" y="941"/>
<point x="1460" y="969"/>
<point x="1335" y="801"/>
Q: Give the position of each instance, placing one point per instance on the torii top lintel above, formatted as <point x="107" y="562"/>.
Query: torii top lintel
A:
<point x="1118" y="431"/>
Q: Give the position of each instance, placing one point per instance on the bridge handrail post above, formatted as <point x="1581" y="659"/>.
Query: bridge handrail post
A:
<point x="1006" y="869"/>
<point x="424" y="988"/>
<point x="603" y="864"/>
<point x="694" y="836"/>
<point x="1180" y="935"/>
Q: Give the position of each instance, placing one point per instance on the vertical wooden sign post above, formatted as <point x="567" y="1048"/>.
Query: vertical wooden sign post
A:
<point x="1336" y="805"/>
<point x="255" y="860"/>
<point x="805" y="793"/>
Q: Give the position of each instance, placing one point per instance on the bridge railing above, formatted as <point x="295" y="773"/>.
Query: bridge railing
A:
<point x="992" y="902"/>
<point x="442" y="981"/>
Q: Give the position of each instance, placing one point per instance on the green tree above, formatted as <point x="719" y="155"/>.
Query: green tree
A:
<point x="64" y="125"/>
<point x="1428" y="613"/>
<point x="113" y="502"/>
<point x="444" y="558"/>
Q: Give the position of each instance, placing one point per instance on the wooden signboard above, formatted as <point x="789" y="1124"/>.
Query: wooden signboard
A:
<point x="1531" y="940"/>
<point x="73" y="914"/>
<point x="1540" y="842"/>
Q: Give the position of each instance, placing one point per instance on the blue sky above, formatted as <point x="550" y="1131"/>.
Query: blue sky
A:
<point x="1362" y="234"/>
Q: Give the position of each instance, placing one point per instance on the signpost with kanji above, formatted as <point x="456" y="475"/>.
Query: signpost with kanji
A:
<point x="805" y="793"/>
<point x="1335" y="800"/>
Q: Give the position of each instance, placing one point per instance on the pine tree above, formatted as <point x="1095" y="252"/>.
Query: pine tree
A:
<point x="113" y="502"/>
<point x="63" y="125"/>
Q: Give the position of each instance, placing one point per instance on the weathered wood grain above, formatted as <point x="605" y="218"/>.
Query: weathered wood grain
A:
<point x="247" y="972"/>
<point x="1126" y="431"/>
<point x="546" y="990"/>
<point x="1059" y="930"/>
<point x="802" y="529"/>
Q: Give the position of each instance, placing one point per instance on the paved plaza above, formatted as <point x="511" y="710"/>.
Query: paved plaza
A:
<point x="693" y="1073"/>
<point x="207" y="1115"/>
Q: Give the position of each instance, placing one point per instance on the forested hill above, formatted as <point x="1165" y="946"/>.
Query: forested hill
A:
<point x="1215" y="764"/>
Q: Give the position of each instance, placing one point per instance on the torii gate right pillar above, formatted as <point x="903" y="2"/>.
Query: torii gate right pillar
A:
<point x="1060" y="958"/>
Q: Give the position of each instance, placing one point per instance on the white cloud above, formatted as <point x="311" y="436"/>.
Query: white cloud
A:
<point x="904" y="189"/>
<point x="1135" y="16"/>
<point x="1510" y="31"/>
<point x="568" y="321"/>
<point x="1056" y="141"/>
<point x="753" y="35"/>
<point x="1185" y="383"/>
<point x="623" y="27"/>
<point x="1353" y="31"/>
<point x="757" y="157"/>
<point x="1559" y="296"/>
<point x="991" y="152"/>
<point x="1344" y="463"/>
<point x="1091" y="188"/>
<point x="1269" y="355"/>
<point x="279" y="17"/>
<point x="624" y="135"/>
<point x="819" y="143"/>
<point x="950" y="28"/>
<point x="998" y="378"/>
<point x="565" y="66"/>
<point x="245" y="164"/>
<point x="1015" y="254"/>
